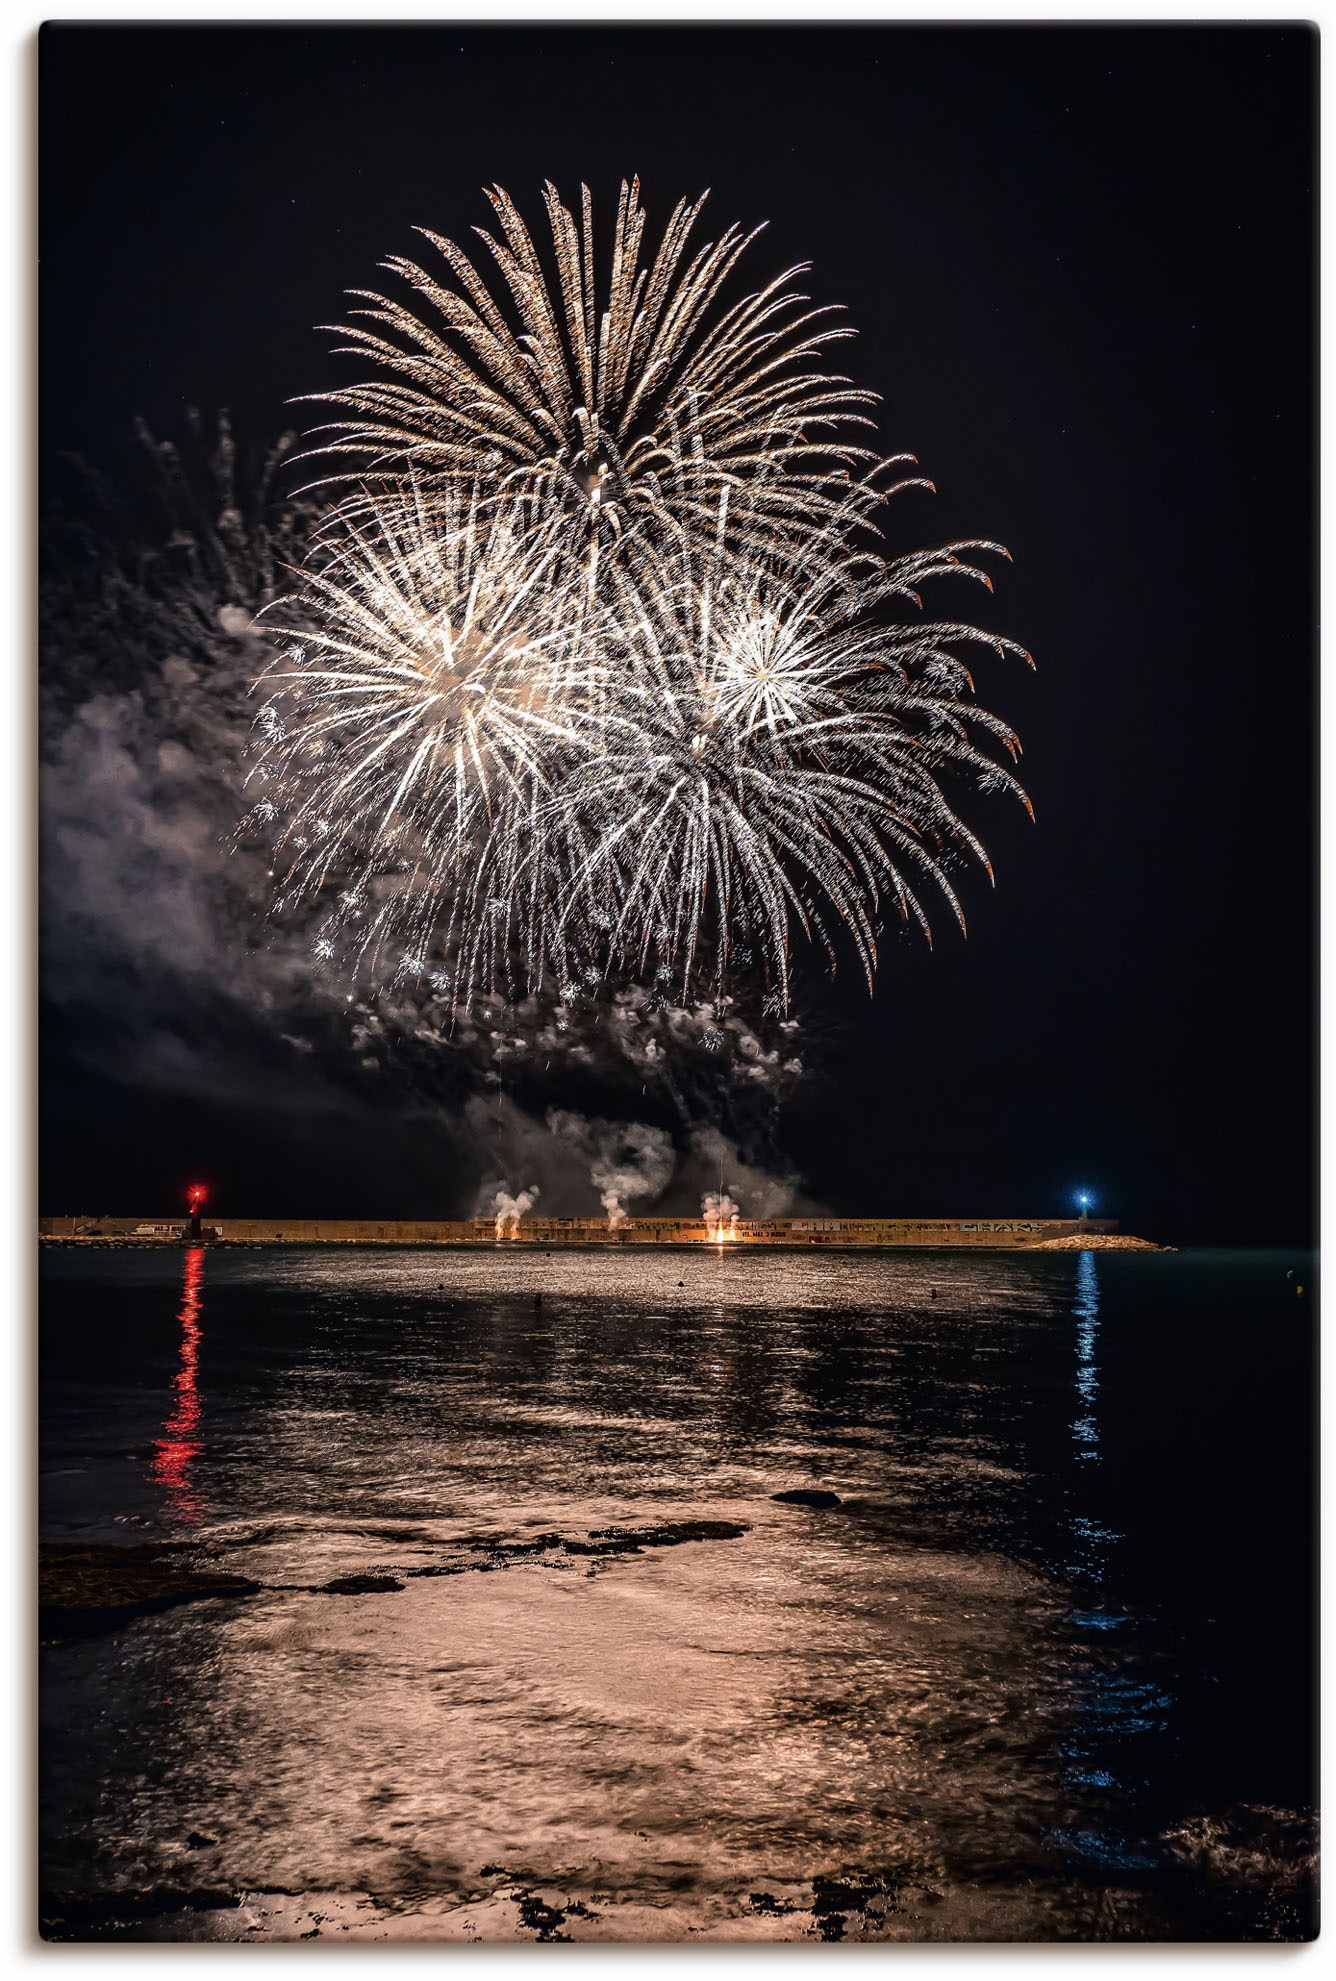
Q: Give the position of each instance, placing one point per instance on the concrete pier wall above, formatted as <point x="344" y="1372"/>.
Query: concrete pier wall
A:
<point x="990" y="1233"/>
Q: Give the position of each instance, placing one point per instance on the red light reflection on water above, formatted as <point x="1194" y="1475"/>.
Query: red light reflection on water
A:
<point x="179" y="1443"/>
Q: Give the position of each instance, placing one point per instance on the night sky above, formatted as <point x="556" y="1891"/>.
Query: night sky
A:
<point x="1080" y="262"/>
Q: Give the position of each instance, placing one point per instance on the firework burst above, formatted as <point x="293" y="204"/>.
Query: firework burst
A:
<point x="417" y="727"/>
<point x="771" y="751"/>
<point x="596" y="670"/>
<point x="644" y="404"/>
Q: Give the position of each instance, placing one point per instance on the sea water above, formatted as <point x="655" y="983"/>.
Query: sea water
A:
<point x="1045" y="1672"/>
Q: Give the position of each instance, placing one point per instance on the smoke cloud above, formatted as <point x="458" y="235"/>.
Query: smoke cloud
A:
<point x="166" y="976"/>
<point x="508" y="1211"/>
<point x="761" y="1193"/>
<point x="721" y="1215"/>
<point x="627" y="1160"/>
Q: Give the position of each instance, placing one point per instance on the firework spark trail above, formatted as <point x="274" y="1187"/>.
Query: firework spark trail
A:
<point x="654" y="402"/>
<point x="595" y="670"/>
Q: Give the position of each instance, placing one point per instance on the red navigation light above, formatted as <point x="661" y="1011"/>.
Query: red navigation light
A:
<point x="195" y="1195"/>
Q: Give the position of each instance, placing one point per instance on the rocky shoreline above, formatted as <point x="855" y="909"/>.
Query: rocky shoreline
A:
<point x="85" y="1588"/>
<point x="1098" y="1241"/>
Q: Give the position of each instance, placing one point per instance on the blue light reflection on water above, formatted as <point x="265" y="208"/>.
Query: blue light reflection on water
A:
<point x="1115" y="1711"/>
<point x="1086" y="1309"/>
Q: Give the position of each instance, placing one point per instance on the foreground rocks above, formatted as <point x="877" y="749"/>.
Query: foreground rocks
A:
<point x="86" y="1586"/>
<point x="483" y="1552"/>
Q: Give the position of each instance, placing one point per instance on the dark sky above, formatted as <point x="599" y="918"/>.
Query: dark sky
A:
<point x="1081" y="265"/>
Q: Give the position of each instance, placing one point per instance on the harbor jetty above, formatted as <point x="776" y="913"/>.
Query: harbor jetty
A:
<point x="548" y="1233"/>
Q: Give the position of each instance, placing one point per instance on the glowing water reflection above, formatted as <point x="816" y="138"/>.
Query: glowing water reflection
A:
<point x="979" y="1687"/>
<point x="1086" y="1309"/>
<point x="1090" y="1537"/>
<point x="1114" y="1708"/>
<point x="179" y="1444"/>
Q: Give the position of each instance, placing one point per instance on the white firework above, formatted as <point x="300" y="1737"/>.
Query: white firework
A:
<point x="412" y="727"/>
<point x="596" y="673"/>
<point x="770" y="753"/>
<point x="647" y="399"/>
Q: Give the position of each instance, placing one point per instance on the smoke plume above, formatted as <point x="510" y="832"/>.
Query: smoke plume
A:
<point x="721" y="1215"/>
<point x="626" y="1159"/>
<point x="508" y="1211"/>
<point x="163" y="975"/>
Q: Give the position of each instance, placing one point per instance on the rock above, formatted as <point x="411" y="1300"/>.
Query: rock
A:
<point x="807" y="1496"/>
<point x="91" y="1586"/>
<point x="670" y="1535"/>
<point x="834" y="1899"/>
<point x="1097" y="1241"/>
<point x="360" y="1585"/>
<point x="112" y="1915"/>
<point x="541" y="1918"/>
<point x="484" y="1554"/>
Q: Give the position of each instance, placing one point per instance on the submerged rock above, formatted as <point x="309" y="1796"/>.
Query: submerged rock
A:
<point x="671" y="1534"/>
<point x="360" y="1585"/>
<point x="835" y="1900"/>
<point x="807" y="1496"/>
<point x="499" y="1553"/>
<point x="115" y="1915"/>
<point x="85" y="1585"/>
<point x="537" y="1916"/>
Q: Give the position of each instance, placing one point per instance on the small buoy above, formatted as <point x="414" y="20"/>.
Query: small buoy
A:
<point x="932" y="1293"/>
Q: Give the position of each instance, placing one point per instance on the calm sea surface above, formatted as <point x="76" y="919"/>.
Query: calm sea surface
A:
<point x="1044" y="1673"/>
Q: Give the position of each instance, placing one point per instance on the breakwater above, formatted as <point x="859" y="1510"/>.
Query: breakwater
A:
<point x="547" y="1233"/>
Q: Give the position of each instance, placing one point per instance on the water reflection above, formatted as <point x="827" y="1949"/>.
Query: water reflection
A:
<point x="1090" y="1537"/>
<point x="1117" y="1709"/>
<point x="180" y="1444"/>
<point x="1086" y="1309"/>
<point x="968" y="1688"/>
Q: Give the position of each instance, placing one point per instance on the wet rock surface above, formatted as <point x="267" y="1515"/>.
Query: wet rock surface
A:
<point x="84" y="1586"/>
<point x="360" y="1585"/>
<point x="836" y="1900"/>
<point x="827" y="1907"/>
<point x="481" y="1553"/>
<point x="629" y="1540"/>
<point x="117" y="1915"/>
<point x="91" y="1587"/>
